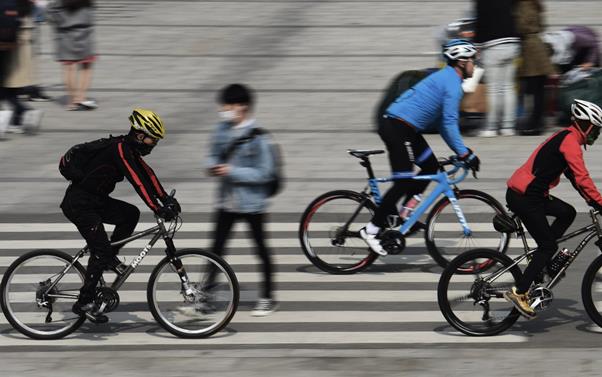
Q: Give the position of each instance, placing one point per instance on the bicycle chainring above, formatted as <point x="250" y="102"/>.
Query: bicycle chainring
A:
<point x="107" y="299"/>
<point x="392" y="241"/>
<point x="540" y="298"/>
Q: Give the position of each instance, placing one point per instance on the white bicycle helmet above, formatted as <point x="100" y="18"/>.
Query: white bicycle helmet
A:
<point x="584" y="110"/>
<point x="459" y="49"/>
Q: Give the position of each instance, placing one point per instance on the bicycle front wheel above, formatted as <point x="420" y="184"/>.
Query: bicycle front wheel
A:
<point x="329" y="232"/>
<point x="591" y="291"/>
<point x="444" y="236"/>
<point x="36" y="296"/>
<point x="207" y="307"/>
<point x="474" y="304"/>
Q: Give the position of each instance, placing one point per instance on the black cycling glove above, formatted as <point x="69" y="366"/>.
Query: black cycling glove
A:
<point x="167" y="213"/>
<point x="471" y="160"/>
<point x="170" y="201"/>
<point x="596" y="206"/>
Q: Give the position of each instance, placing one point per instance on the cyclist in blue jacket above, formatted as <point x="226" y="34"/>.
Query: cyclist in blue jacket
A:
<point x="432" y="104"/>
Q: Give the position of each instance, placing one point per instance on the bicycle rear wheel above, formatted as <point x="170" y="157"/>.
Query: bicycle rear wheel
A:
<point x="329" y="232"/>
<point x="206" y="309"/>
<point x="474" y="304"/>
<point x="444" y="236"/>
<point x="591" y="291"/>
<point x="34" y="300"/>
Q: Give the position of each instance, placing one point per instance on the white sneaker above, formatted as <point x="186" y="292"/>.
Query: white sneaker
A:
<point x="487" y="133"/>
<point x="372" y="242"/>
<point x="5" y="116"/>
<point x="31" y="120"/>
<point x="14" y="129"/>
<point x="90" y="104"/>
<point x="507" y="132"/>
<point x="264" y="306"/>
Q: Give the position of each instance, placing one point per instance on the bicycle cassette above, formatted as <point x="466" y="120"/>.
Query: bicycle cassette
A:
<point x="106" y="300"/>
<point x="392" y="241"/>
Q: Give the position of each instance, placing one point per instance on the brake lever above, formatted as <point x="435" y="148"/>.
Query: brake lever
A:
<point x="474" y="173"/>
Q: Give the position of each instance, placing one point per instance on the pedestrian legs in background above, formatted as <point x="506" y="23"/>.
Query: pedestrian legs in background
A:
<point x="500" y="71"/>
<point x="533" y="89"/>
<point x="223" y="227"/>
<point x="34" y="93"/>
<point x="77" y="84"/>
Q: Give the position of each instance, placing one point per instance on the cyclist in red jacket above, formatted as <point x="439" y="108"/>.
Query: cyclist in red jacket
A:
<point x="528" y="192"/>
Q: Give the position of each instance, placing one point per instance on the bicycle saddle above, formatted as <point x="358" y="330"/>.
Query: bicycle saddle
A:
<point x="360" y="153"/>
<point x="504" y="223"/>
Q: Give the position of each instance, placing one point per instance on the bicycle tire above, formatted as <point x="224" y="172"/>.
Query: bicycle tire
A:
<point x="587" y="291"/>
<point x="7" y="307"/>
<point x="318" y="259"/>
<point x="444" y="286"/>
<point x="436" y="251"/>
<point x="231" y="310"/>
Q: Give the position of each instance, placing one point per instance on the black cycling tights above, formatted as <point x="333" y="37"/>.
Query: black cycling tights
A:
<point x="88" y="213"/>
<point x="532" y="211"/>
<point x="406" y="148"/>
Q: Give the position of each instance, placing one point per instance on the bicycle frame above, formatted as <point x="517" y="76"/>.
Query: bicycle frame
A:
<point x="445" y="186"/>
<point x="593" y="229"/>
<point x="159" y="231"/>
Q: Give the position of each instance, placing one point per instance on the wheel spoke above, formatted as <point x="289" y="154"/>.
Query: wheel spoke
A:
<point x="329" y="233"/>
<point x="206" y="307"/>
<point x="476" y="306"/>
<point x="32" y="306"/>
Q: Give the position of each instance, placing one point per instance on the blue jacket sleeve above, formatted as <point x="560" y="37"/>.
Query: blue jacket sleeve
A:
<point x="450" y="129"/>
<point x="213" y="152"/>
<point x="258" y="174"/>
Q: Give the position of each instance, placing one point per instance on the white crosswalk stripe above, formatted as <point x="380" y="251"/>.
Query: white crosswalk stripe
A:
<point x="310" y="310"/>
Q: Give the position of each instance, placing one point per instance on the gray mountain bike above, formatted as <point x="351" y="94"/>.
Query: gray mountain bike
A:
<point x="474" y="304"/>
<point x="39" y="289"/>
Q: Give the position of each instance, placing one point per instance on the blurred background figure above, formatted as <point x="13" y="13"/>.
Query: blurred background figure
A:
<point x="495" y="33"/>
<point x="74" y="27"/>
<point x="35" y="92"/>
<point x="574" y="46"/>
<point x="19" y="70"/>
<point x="535" y="64"/>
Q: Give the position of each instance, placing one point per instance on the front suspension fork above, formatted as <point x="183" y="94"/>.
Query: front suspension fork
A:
<point x="177" y="263"/>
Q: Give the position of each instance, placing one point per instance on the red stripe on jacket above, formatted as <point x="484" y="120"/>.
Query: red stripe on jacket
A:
<point x="145" y="196"/>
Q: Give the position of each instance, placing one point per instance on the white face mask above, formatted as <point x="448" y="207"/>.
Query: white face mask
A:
<point x="227" y="116"/>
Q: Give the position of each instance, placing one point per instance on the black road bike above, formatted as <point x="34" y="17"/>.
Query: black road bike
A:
<point x="39" y="289"/>
<point x="474" y="304"/>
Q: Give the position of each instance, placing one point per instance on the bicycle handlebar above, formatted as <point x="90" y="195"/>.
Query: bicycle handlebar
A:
<point x="453" y="160"/>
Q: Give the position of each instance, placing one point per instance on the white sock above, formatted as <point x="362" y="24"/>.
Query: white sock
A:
<point x="372" y="229"/>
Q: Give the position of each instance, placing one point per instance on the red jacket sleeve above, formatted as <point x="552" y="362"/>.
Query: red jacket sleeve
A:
<point x="577" y="172"/>
<point x="137" y="176"/>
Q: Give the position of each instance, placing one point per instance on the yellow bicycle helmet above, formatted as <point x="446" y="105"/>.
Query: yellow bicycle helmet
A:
<point x="147" y="121"/>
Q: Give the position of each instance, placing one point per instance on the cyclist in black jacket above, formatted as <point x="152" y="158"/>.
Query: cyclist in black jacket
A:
<point x="87" y="203"/>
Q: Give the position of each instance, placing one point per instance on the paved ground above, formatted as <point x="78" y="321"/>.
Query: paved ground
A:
<point x="318" y="67"/>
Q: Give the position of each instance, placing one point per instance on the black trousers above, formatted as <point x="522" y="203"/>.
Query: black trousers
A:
<point x="88" y="212"/>
<point x="535" y="87"/>
<point x="406" y="148"/>
<point x="533" y="212"/>
<point x="224" y="221"/>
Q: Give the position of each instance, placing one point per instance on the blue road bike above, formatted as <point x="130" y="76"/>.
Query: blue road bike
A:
<point x="458" y="221"/>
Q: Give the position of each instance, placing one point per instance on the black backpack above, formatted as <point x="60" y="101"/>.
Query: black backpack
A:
<point x="276" y="183"/>
<point x="9" y="24"/>
<point x="403" y="81"/>
<point x="72" y="165"/>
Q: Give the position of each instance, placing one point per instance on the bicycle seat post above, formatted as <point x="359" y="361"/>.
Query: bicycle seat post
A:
<point x="366" y="163"/>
